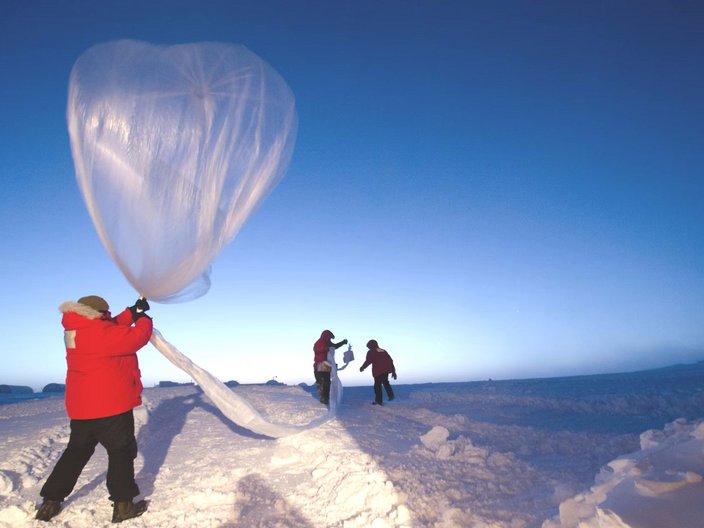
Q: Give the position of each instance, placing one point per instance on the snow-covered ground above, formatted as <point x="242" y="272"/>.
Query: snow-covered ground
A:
<point x="612" y="450"/>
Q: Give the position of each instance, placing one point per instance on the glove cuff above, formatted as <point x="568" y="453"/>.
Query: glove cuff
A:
<point x="137" y="313"/>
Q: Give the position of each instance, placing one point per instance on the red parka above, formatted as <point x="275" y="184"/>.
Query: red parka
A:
<point x="321" y="346"/>
<point x="379" y="359"/>
<point x="102" y="377"/>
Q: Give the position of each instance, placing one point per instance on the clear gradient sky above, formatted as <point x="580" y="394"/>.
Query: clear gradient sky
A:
<point x="489" y="189"/>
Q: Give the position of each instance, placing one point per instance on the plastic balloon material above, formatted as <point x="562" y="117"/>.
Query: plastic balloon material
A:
<point x="174" y="148"/>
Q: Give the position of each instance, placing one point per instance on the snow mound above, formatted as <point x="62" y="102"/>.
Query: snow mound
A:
<point x="660" y="485"/>
<point x="6" y="485"/>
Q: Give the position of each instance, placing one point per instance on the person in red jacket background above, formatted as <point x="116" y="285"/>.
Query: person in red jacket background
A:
<point x="382" y="366"/>
<point x="321" y="366"/>
<point x="103" y="386"/>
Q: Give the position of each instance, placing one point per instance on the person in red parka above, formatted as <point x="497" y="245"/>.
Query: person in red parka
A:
<point x="103" y="386"/>
<point x="382" y="366"/>
<point x="321" y="365"/>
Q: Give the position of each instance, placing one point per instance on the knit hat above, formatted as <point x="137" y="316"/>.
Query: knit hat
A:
<point x="95" y="302"/>
<point x="372" y="344"/>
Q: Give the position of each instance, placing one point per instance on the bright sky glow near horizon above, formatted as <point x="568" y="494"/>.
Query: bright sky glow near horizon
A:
<point x="488" y="189"/>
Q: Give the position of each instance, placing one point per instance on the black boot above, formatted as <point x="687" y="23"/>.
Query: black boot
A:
<point x="124" y="510"/>
<point x="48" y="510"/>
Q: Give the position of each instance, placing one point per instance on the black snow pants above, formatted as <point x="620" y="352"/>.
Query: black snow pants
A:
<point x="322" y="380"/>
<point x="116" y="435"/>
<point x="379" y="381"/>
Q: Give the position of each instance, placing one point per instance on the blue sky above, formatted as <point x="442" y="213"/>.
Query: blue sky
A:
<point x="489" y="189"/>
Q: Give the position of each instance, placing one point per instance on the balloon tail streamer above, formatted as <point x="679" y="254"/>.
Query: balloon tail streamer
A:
<point x="335" y="385"/>
<point x="234" y="407"/>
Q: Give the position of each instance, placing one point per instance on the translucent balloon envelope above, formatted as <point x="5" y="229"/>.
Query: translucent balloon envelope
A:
<point x="174" y="147"/>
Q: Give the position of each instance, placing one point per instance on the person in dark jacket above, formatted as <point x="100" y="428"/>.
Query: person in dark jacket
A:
<point x="382" y="366"/>
<point x="321" y="365"/>
<point x="103" y="386"/>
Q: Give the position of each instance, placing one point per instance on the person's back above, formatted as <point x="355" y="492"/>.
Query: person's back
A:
<point x="103" y="377"/>
<point x="320" y="348"/>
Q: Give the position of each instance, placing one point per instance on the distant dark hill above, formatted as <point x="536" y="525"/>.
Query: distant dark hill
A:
<point x="54" y="387"/>
<point x="15" y="389"/>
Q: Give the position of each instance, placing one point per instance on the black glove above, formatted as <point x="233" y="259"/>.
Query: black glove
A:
<point x="361" y="369"/>
<point x="139" y="308"/>
<point x="142" y="304"/>
<point x="393" y="375"/>
<point x="344" y="341"/>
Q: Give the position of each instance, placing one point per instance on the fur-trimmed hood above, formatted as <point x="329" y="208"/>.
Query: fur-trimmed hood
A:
<point x="79" y="309"/>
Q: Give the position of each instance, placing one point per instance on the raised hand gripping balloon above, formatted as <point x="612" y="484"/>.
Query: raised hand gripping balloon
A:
<point x="174" y="147"/>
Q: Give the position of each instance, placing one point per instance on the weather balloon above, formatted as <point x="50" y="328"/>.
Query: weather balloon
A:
<point x="174" y="147"/>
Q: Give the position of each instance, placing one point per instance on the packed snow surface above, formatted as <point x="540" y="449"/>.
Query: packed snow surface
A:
<point x="620" y="450"/>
